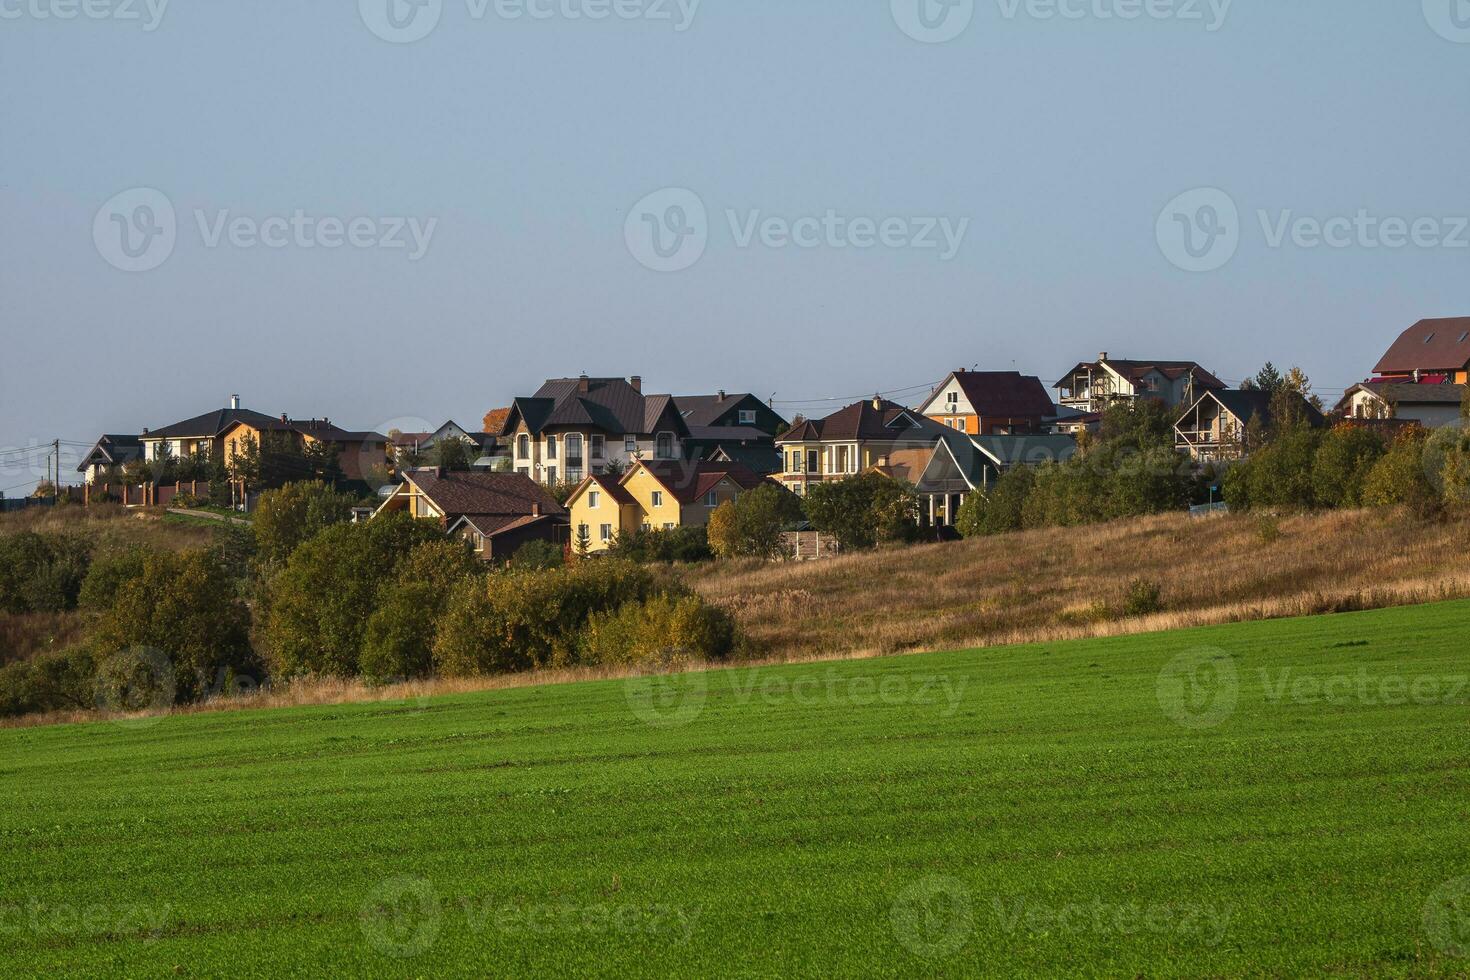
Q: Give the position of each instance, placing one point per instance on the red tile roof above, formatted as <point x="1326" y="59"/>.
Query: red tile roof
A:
<point x="1429" y="345"/>
<point x="688" y="480"/>
<point x="1004" y="394"/>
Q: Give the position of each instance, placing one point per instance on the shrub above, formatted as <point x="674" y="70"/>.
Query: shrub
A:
<point x="1000" y="509"/>
<point x="399" y="637"/>
<point x="56" y="681"/>
<point x="316" y="608"/>
<point x="1143" y="598"/>
<point x="751" y="526"/>
<point x="1340" y="469"/>
<point x="862" y="511"/>
<point x="1280" y="473"/>
<point x="518" y="620"/>
<point x="287" y="517"/>
<point x="183" y="606"/>
<point x="41" y="572"/>
<point x="663" y="629"/>
<point x="107" y="574"/>
<point x="1268" y="529"/>
<point x="1399" y="476"/>
<point x="687" y="544"/>
<point x="538" y="555"/>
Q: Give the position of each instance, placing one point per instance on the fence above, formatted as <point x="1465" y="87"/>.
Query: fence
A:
<point x="810" y="545"/>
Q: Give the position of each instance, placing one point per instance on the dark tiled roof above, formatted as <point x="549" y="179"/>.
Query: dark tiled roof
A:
<point x="490" y="525"/>
<point x="862" y="421"/>
<point x="610" y="486"/>
<point x="1396" y="393"/>
<point x="1005" y="394"/>
<point x="1031" y="450"/>
<point x="1246" y="405"/>
<point x="1135" y="371"/>
<point x="506" y="494"/>
<point x="211" y="424"/>
<point x="729" y="433"/>
<point x="759" y="457"/>
<point x="1429" y="345"/>
<point x="114" y="450"/>
<point x="611" y="405"/>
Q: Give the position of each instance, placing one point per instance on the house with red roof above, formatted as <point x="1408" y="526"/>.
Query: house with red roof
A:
<point x="495" y="512"/>
<point x="986" y="403"/>
<point x="1094" y="386"/>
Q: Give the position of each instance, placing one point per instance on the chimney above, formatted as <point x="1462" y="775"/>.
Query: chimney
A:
<point x="637" y="382"/>
<point x="535" y="508"/>
<point x="1103" y="356"/>
<point x="145" y="431"/>
<point x="235" y="401"/>
<point x="877" y="403"/>
<point x="285" y="417"/>
<point x="584" y="384"/>
<point x="722" y="394"/>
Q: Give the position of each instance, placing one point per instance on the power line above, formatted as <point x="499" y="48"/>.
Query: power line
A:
<point x="853" y="398"/>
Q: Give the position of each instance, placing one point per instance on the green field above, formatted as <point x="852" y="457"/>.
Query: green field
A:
<point x="1281" y="798"/>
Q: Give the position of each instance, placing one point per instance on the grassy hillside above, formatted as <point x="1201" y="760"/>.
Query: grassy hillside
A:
<point x="1061" y="583"/>
<point x="1176" y="804"/>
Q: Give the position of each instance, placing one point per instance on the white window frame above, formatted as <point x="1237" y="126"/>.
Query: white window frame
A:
<point x="592" y="498"/>
<point x="658" y="498"/>
<point x="747" y="416"/>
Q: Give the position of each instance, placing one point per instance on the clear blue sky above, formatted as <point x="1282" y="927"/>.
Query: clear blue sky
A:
<point x="529" y="140"/>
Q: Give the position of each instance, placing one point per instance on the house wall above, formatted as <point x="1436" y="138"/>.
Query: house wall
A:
<point x="624" y="518"/>
<point x="1429" y="416"/>
<point x="540" y="461"/>
<point x="643" y="486"/>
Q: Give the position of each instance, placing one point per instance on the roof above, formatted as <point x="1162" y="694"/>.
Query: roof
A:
<point x="1248" y="404"/>
<point x="114" y="450"/>
<point x="1001" y="394"/>
<point x="706" y="410"/>
<point x="1406" y="393"/>
<point x="1135" y="371"/>
<point x="489" y="525"/>
<point x="759" y="457"/>
<point x="864" y="420"/>
<point x="610" y="486"/>
<point x="483" y="494"/>
<point x="688" y="481"/>
<point x="1031" y="450"/>
<point x="1429" y="345"/>
<point x="612" y="405"/>
<point x="321" y="429"/>
<point x="210" y="424"/>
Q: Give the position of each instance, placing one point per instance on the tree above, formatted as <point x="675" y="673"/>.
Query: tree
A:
<point x="751" y="526"/>
<point x="1267" y="379"/>
<point x="1340" y="469"/>
<point x="451" y="455"/>
<point x="583" y="544"/>
<point x="998" y="509"/>
<point x="107" y="575"/>
<point x="862" y="511"/>
<point x="538" y="555"/>
<point x="316" y="608"/>
<point x="286" y="517"/>
<point x="42" y="572"/>
<point x="1399" y="477"/>
<point x="399" y="638"/>
<point x="183" y="609"/>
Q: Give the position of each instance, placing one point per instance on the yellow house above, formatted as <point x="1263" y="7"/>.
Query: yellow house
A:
<point x="660" y="495"/>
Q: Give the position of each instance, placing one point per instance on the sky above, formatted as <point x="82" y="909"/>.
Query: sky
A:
<point x="392" y="216"/>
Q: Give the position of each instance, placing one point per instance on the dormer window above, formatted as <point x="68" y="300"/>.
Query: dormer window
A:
<point x="747" y="416"/>
<point x="1429" y="340"/>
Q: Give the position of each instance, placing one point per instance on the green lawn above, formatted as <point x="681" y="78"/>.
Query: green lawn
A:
<point x="1064" y="808"/>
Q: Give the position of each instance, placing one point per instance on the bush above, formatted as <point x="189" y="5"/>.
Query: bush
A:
<point x="64" y="680"/>
<point x="1340" y="469"/>
<point x="317" y="607"/>
<point x="751" y="526"/>
<point x="519" y="620"/>
<point x="664" y="630"/>
<point x="287" y="517"/>
<point x="1399" y="477"/>
<point x="687" y="544"/>
<point x="41" y="572"/>
<point x="107" y="575"/>
<point x="183" y="606"/>
<point x="538" y="555"/>
<point x="1278" y="474"/>
<point x="863" y="511"/>
<point x="1001" y="508"/>
<point x="1143" y="598"/>
<point x="398" y="641"/>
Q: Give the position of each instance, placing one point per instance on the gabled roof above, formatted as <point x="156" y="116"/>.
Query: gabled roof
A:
<point x="606" y="484"/>
<point x="706" y="410"/>
<point x="1136" y="371"/>
<point x="687" y="480"/>
<point x="1248" y="404"/>
<point x="999" y="394"/>
<point x="612" y="405"/>
<point x="1429" y="345"/>
<point x="870" y="419"/>
<point x="507" y="494"/>
<point x="1029" y="450"/>
<point x="209" y="425"/>
<point x="1406" y="393"/>
<point x="490" y="525"/>
<point x="113" y="450"/>
<point x="319" y="429"/>
<point x="760" y="458"/>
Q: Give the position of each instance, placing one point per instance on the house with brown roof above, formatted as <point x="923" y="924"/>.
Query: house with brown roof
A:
<point x="1097" y="385"/>
<point x="990" y="403"/>
<point x="1435" y="351"/>
<point x="573" y="427"/>
<point x="362" y="456"/>
<point x="851" y="440"/>
<point x="654" y="495"/>
<point x="495" y="512"/>
<point x="1217" y="427"/>
<point x="1431" y="405"/>
<point x="733" y="428"/>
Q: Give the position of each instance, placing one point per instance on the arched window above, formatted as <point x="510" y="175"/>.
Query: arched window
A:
<point x="523" y="447"/>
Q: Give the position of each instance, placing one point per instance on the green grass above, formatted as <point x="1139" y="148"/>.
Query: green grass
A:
<point x="990" y="812"/>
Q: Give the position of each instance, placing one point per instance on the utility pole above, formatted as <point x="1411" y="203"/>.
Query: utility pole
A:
<point x="56" y="482"/>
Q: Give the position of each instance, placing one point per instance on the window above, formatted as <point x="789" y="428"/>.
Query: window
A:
<point x="630" y="444"/>
<point x="606" y="533"/>
<point x="574" y="474"/>
<point x="813" y="461"/>
<point x="712" y="499"/>
<point x="551" y="475"/>
<point x="592" y="497"/>
<point x="665" y="448"/>
<point x="747" y="416"/>
<point x="584" y="531"/>
<point x="669" y="526"/>
<point x="523" y="447"/>
<point x="1429" y="340"/>
<point x="658" y="498"/>
<point x="598" y="447"/>
<point x="523" y="470"/>
<point x="551" y="447"/>
<point x="647" y="526"/>
<point x="954" y="400"/>
<point x="574" y="447"/>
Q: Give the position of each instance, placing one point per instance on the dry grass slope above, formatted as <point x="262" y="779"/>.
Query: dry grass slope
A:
<point x="1061" y="584"/>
